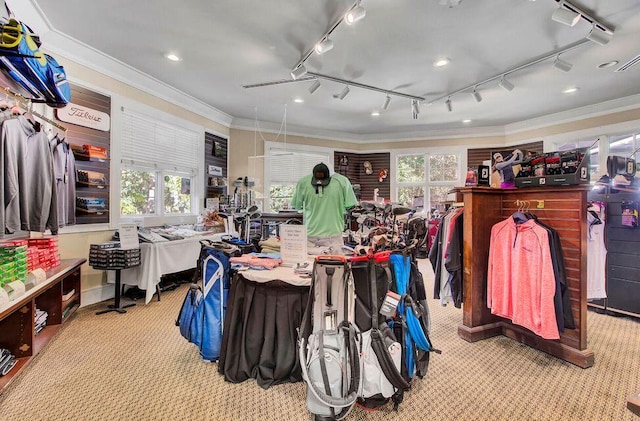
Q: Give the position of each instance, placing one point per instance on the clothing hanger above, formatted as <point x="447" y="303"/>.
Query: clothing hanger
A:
<point x="520" y="217"/>
<point x="4" y="103"/>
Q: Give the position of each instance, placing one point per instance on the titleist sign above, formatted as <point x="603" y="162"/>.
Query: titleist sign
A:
<point x="84" y="116"/>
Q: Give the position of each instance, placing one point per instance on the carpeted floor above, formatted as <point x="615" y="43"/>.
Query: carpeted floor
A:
<point x="136" y="366"/>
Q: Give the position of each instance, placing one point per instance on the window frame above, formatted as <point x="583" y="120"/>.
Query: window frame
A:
<point x="325" y="154"/>
<point x="426" y="183"/>
<point x="120" y="161"/>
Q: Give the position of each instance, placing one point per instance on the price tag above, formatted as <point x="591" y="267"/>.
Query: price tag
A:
<point x="390" y="304"/>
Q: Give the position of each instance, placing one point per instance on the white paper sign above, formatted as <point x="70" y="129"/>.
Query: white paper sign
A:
<point x="84" y="116"/>
<point x="129" y="236"/>
<point x="213" y="203"/>
<point x="215" y="170"/>
<point x="293" y="244"/>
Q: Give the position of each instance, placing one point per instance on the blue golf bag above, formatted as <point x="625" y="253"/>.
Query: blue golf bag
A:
<point x="39" y="74"/>
<point x="411" y="323"/>
<point x="201" y="317"/>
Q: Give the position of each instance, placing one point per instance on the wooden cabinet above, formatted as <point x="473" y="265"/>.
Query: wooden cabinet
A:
<point x="564" y="209"/>
<point x="17" y="321"/>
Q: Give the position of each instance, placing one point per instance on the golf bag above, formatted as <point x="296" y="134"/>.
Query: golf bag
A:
<point x="201" y="317"/>
<point x="328" y="345"/>
<point x="381" y="354"/>
<point x="411" y="322"/>
<point x="39" y="74"/>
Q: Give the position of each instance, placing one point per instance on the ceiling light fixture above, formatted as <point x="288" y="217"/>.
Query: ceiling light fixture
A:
<point x="599" y="36"/>
<point x="505" y="84"/>
<point x="298" y="72"/>
<point x="313" y="88"/>
<point x="570" y="91"/>
<point x="415" y="108"/>
<point x="448" y="103"/>
<point x="608" y="64"/>
<point x="298" y="100"/>
<point x="324" y="46"/>
<point x="561" y="64"/>
<point x="476" y="95"/>
<point x="355" y="14"/>
<point x="570" y="14"/>
<point x="441" y="62"/>
<point x="467" y="121"/>
<point x="565" y="15"/>
<point x="343" y="93"/>
<point x="375" y="113"/>
<point x="172" y="57"/>
<point x="387" y="101"/>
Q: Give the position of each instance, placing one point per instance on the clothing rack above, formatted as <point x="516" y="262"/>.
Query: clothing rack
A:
<point x="27" y="104"/>
<point x="564" y="209"/>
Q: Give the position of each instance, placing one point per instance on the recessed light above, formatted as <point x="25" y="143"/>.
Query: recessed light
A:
<point x="375" y="113"/>
<point x="298" y="100"/>
<point x="441" y="62"/>
<point x="608" y="64"/>
<point x="569" y="91"/>
<point x="172" y="57"/>
<point x="467" y="121"/>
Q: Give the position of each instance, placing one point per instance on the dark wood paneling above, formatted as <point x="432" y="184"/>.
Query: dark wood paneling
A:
<point x="368" y="182"/>
<point x="218" y="157"/>
<point x="78" y="136"/>
<point x="475" y="157"/>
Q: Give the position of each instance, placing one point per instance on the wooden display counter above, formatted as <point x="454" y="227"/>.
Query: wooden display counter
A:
<point x="17" y="327"/>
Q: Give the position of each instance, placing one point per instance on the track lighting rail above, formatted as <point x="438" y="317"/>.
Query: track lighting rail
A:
<point x="537" y="60"/>
<point x="332" y="28"/>
<point x="585" y="16"/>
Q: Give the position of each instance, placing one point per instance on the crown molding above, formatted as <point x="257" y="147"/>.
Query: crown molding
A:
<point x="588" y="111"/>
<point x="461" y="133"/>
<point x="66" y="46"/>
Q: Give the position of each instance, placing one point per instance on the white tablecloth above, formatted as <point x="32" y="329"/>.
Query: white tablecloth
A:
<point x="159" y="259"/>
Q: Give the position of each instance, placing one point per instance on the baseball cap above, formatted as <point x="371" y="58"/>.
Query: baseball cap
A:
<point x="321" y="175"/>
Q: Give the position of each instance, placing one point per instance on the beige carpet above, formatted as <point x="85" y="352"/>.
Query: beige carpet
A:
<point x="136" y="366"/>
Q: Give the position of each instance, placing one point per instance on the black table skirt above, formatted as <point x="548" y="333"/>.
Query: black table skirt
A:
<point x="259" y="336"/>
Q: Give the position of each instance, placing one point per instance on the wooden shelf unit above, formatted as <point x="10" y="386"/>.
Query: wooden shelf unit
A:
<point x="17" y="320"/>
<point x="564" y="208"/>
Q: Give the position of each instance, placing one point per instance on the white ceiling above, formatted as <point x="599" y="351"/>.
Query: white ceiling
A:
<point x="225" y="44"/>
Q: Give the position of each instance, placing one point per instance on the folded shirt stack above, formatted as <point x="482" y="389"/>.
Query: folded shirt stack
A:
<point x="41" y="320"/>
<point x="7" y="361"/>
<point x="257" y="261"/>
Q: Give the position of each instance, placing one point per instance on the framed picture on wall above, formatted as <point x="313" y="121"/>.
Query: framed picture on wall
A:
<point x="217" y="150"/>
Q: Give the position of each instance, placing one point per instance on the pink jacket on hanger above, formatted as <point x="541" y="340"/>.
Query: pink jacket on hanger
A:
<point x="520" y="279"/>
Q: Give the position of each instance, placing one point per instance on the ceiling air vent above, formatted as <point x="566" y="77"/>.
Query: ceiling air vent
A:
<point x="629" y="64"/>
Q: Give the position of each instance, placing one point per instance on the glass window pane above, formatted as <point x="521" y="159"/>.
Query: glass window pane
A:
<point x="443" y="168"/>
<point x="410" y="168"/>
<point x="450" y="168"/>
<point x="177" y="194"/>
<point x="437" y="196"/>
<point x="410" y="196"/>
<point x="138" y="192"/>
<point x="436" y="168"/>
<point x="280" y="196"/>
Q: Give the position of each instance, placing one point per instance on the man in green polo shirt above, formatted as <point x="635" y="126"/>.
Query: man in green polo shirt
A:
<point x="324" y="198"/>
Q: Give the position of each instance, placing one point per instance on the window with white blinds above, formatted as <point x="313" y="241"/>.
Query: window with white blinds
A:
<point x="289" y="167"/>
<point x="150" y="142"/>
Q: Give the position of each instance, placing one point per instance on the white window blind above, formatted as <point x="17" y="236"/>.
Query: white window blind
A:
<point x="289" y="167"/>
<point x="146" y="141"/>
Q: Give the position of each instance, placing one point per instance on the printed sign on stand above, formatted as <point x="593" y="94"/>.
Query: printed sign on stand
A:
<point x="293" y="244"/>
<point x="129" y="236"/>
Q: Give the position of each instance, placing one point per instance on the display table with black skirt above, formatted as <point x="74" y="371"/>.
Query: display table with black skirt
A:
<point x="264" y="310"/>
